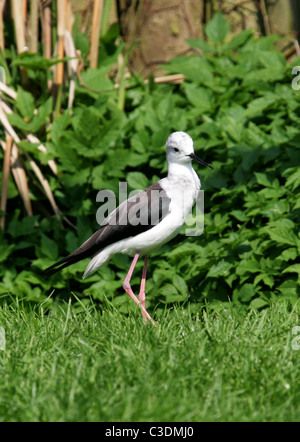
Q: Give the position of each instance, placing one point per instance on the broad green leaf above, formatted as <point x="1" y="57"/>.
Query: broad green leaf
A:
<point x="97" y="79"/>
<point x="257" y="106"/>
<point x="244" y="293"/>
<point x="263" y="179"/>
<point x="294" y="179"/>
<point x="295" y="268"/>
<point x="289" y="287"/>
<point x="289" y="254"/>
<point x="272" y="58"/>
<point x="180" y="284"/>
<point x="137" y="180"/>
<point x="201" y="44"/>
<point x="265" y="278"/>
<point x="258" y="303"/>
<point x="37" y="121"/>
<point x="32" y="61"/>
<point x="49" y="247"/>
<point x="246" y="266"/>
<point x="194" y="68"/>
<point x="200" y="97"/>
<point x="217" y="29"/>
<point x="222" y="268"/>
<point x="239" y="40"/>
<point x="5" y="251"/>
<point x="25" y="103"/>
<point x="281" y="232"/>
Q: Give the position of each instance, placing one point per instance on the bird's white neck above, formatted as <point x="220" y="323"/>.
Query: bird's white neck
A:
<point x="183" y="174"/>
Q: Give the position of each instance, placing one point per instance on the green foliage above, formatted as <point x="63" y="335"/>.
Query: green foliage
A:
<point x="238" y="105"/>
<point x="217" y="29"/>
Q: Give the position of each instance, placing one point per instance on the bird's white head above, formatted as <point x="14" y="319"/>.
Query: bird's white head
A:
<point x="180" y="149"/>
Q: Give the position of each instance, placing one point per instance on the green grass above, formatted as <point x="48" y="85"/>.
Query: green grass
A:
<point x="76" y="363"/>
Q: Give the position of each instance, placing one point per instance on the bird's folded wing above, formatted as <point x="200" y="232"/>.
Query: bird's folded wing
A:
<point x="134" y="216"/>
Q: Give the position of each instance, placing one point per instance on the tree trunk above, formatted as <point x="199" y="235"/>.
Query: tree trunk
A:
<point x="161" y="26"/>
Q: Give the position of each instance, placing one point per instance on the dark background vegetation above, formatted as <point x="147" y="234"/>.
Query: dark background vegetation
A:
<point x="229" y="88"/>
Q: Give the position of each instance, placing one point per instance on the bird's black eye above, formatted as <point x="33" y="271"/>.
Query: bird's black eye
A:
<point x="175" y="149"/>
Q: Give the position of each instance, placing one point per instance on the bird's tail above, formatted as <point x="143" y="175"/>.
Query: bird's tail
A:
<point x="62" y="264"/>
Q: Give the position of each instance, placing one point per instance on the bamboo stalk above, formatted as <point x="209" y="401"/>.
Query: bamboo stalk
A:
<point x="34" y="31"/>
<point x="96" y="29"/>
<point x="5" y="178"/>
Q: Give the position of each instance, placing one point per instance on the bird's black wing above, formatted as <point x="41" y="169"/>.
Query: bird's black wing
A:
<point x="134" y="216"/>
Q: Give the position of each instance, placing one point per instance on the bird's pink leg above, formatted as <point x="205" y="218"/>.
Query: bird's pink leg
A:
<point x="127" y="288"/>
<point x="142" y="294"/>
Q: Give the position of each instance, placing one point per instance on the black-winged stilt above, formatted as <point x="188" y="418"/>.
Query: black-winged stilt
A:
<point x="146" y="221"/>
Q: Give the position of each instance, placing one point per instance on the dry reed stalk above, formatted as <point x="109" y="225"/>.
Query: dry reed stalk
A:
<point x="8" y="91"/>
<point x="46" y="187"/>
<point x="2" y="40"/>
<point x="297" y="47"/>
<point x="46" y="31"/>
<point x="30" y="137"/>
<point x="19" y="174"/>
<point x="24" y="11"/>
<point x="6" y="124"/>
<point x="96" y="29"/>
<point x="34" y="26"/>
<point x="70" y="51"/>
<point x="43" y="181"/>
<point x="17" y="6"/>
<point x="61" y="7"/>
<point x="69" y="17"/>
<point x="5" y="178"/>
<point x="173" y="79"/>
<point x="51" y="163"/>
<point x="60" y="66"/>
<point x="19" y="15"/>
<point x="18" y="171"/>
<point x="59" y="69"/>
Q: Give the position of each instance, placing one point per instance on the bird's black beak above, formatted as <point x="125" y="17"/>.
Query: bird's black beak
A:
<point x="194" y="157"/>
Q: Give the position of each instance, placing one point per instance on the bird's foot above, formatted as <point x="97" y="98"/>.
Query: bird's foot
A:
<point x="128" y="290"/>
